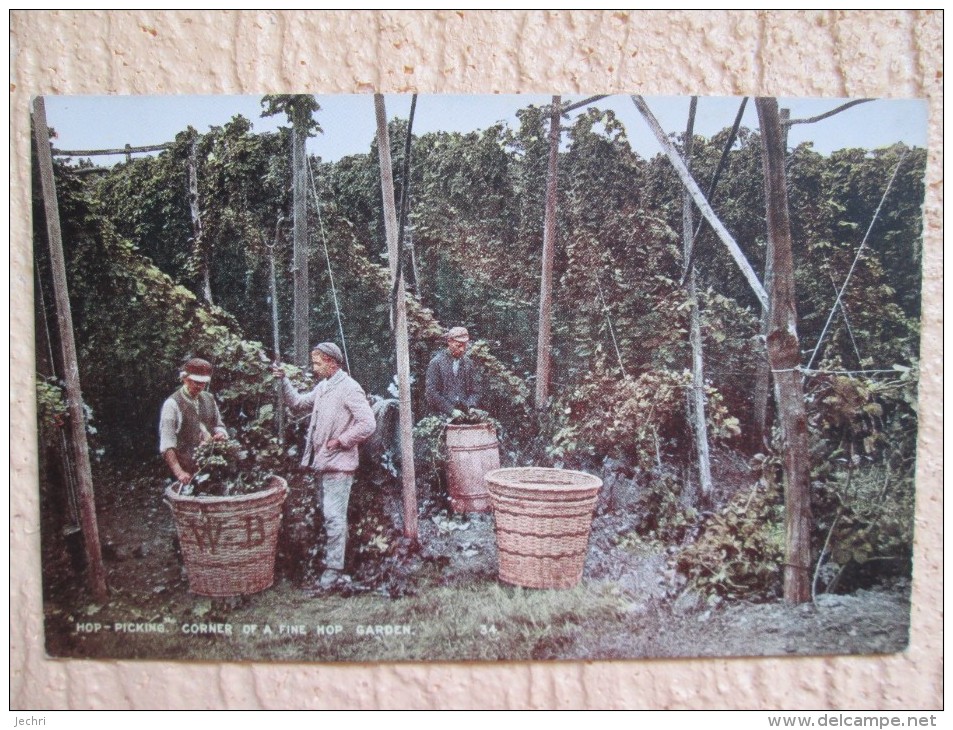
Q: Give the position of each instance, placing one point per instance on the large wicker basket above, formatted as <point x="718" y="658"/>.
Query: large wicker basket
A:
<point x="229" y="543"/>
<point x="543" y="520"/>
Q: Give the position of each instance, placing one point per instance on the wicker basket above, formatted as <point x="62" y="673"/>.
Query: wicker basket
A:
<point x="229" y="543"/>
<point x="543" y="520"/>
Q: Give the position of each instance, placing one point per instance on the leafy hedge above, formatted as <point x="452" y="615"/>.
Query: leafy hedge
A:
<point x="641" y="420"/>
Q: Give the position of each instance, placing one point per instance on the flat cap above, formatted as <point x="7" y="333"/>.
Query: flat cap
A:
<point x="331" y="350"/>
<point x="458" y="334"/>
<point x="197" y="369"/>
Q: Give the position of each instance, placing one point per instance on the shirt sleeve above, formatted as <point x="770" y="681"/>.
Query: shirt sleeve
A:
<point x="170" y="420"/>
<point x="297" y="401"/>
<point x="219" y="423"/>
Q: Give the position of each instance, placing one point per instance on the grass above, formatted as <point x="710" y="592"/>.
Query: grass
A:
<point x="481" y="622"/>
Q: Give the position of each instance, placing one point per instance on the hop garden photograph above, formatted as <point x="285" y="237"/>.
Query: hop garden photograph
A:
<point x="375" y="378"/>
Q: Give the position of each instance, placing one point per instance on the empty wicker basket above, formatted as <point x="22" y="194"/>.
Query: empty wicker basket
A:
<point x="229" y="543"/>
<point x="543" y="520"/>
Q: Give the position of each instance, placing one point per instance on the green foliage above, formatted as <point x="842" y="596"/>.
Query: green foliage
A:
<point x="507" y="394"/>
<point x="300" y="109"/>
<point x="641" y="420"/>
<point x="135" y="260"/>
<point x="733" y="350"/>
<point x="430" y="448"/>
<point x="740" y="550"/>
<point x="854" y="418"/>
<point x="51" y="410"/>
<point x="224" y="469"/>
<point x="869" y="513"/>
<point x="849" y="416"/>
<point x="430" y="440"/>
<point x="877" y="320"/>
<point x="864" y="432"/>
<point x="248" y="397"/>
<point x="478" y="196"/>
<point x="135" y="326"/>
<point x="662" y="516"/>
<point x="242" y="187"/>
<point x="147" y="201"/>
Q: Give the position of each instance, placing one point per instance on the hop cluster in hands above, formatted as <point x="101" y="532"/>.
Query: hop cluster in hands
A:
<point x="223" y="470"/>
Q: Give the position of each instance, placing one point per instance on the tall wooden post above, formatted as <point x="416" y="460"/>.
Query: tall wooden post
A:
<point x="299" y="135"/>
<point x="276" y="339"/>
<point x="543" y="354"/>
<point x="697" y="395"/>
<point x="74" y="396"/>
<point x="408" y="475"/>
<point x="196" y="212"/>
<point x="762" y="384"/>
<point x="784" y="354"/>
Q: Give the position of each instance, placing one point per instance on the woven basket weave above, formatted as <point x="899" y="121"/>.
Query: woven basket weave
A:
<point x="229" y="543"/>
<point x="543" y="520"/>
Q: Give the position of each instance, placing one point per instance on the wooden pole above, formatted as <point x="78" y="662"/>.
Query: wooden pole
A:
<point x="276" y="339"/>
<point x="699" y="197"/>
<point x="543" y="354"/>
<point x="125" y="150"/>
<point x="197" y="229"/>
<point x="299" y="135"/>
<point x="722" y="163"/>
<point x="762" y="383"/>
<point x="74" y="396"/>
<point x="697" y="396"/>
<point x="784" y="354"/>
<point x="408" y="475"/>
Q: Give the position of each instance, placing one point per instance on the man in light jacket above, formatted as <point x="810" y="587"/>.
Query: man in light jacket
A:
<point x="341" y="418"/>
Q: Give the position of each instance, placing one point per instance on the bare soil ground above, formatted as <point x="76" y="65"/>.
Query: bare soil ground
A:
<point x="630" y="603"/>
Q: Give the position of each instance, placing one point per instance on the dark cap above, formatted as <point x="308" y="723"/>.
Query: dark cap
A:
<point x="198" y="370"/>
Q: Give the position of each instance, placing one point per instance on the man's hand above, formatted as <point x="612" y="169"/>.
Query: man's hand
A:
<point x="180" y="474"/>
<point x="333" y="445"/>
<point x="219" y="436"/>
<point x="277" y="371"/>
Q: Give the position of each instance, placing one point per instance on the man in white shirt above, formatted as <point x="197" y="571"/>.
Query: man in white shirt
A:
<point x="189" y="417"/>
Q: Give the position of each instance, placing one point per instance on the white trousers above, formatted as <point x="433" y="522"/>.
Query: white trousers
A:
<point x="335" y="491"/>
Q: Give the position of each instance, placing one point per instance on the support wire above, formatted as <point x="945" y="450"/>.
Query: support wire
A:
<point x="327" y="258"/>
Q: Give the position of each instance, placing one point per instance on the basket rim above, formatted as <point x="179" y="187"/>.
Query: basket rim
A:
<point x="470" y="426"/>
<point x="519" y="477"/>
<point x="282" y="485"/>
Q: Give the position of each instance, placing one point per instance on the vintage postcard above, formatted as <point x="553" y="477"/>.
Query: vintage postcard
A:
<point x="512" y="377"/>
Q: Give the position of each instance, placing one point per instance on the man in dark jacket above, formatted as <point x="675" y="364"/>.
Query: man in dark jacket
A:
<point x="453" y="379"/>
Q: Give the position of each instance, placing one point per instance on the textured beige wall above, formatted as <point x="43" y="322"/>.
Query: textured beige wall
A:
<point x="857" y="53"/>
